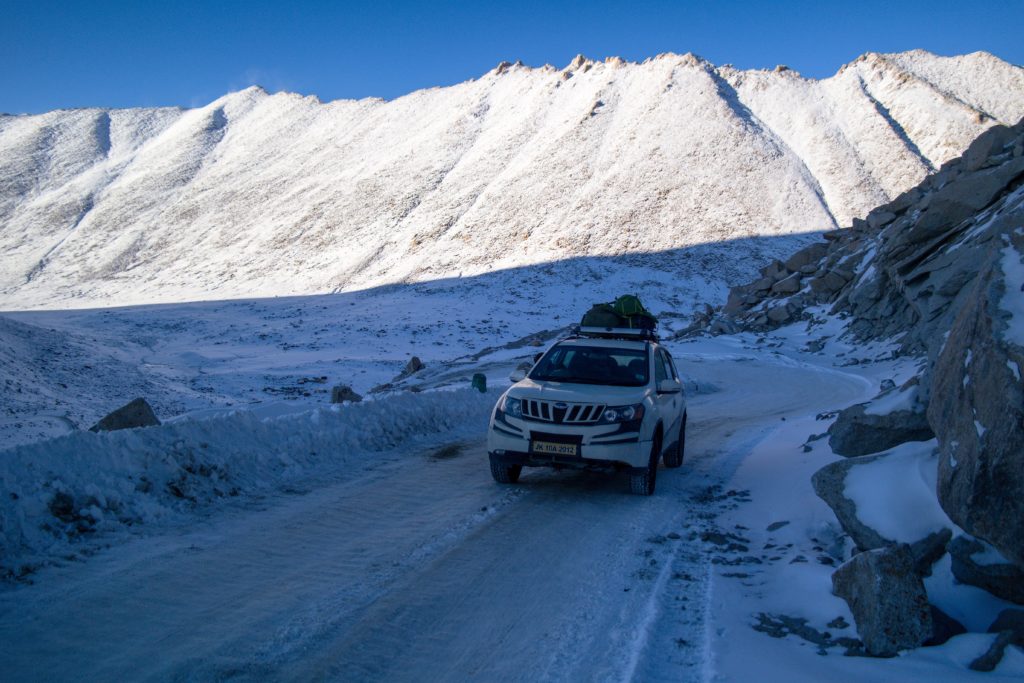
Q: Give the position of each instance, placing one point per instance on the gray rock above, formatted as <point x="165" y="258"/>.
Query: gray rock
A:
<point x="887" y="599"/>
<point x="789" y="285"/>
<point x="977" y="408"/>
<point x="807" y="256"/>
<point x="138" y="413"/>
<point x="985" y="145"/>
<point x="723" y="326"/>
<point x="775" y="270"/>
<point x="959" y="200"/>
<point x="830" y="484"/>
<point x="928" y="550"/>
<point x="857" y="433"/>
<point x="879" y="218"/>
<point x="828" y="283"/>
<point x="904" y="201"/>
<point x="736" y="301"/>
<point x="414" y="365"/>
<point x="990" y="660"/>
<point x="1003" y="580"/>
<point x="342" y="393"/>
<point x="779" y="314"/>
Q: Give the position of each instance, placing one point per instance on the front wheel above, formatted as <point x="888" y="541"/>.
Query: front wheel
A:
<point x="642" y="481"/>
<point x="505" y="474"/>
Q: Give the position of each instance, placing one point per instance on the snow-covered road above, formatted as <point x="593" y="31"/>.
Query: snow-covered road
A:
<point x="423" y="568"/>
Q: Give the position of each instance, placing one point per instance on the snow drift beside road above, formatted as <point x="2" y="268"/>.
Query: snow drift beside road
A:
<point x="85" y="484"/>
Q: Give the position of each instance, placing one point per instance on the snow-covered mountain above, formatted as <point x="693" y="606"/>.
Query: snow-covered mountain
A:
<point x="258" y="194"/>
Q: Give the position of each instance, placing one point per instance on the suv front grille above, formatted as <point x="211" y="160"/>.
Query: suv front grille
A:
<point x="560" y="412"/>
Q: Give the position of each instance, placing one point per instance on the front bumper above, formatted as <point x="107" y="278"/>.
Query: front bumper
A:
<point x="625" y="450"/>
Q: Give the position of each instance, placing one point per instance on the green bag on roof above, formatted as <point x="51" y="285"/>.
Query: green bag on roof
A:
<point x="628" y="304"/>
<point x="629" y="307"/>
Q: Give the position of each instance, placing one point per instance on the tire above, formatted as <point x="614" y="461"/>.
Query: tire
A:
<point x="505" y="474"/>
<point x="675" y="458"/>
<point x="642" y="483"/>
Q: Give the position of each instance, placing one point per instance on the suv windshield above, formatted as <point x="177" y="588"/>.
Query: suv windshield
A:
<point x="593" y="365"/>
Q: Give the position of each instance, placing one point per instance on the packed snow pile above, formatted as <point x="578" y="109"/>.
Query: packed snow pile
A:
<point x="63" y="493"/>
<point x="265" y="195"/>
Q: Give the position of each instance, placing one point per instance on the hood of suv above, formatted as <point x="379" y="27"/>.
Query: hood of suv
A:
<point x="577" y="393"/>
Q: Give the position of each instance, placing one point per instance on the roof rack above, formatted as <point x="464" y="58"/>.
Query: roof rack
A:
<point x="632" y="333"/>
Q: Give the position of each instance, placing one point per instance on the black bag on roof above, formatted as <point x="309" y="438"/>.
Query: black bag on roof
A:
<point x="602" y="315"/>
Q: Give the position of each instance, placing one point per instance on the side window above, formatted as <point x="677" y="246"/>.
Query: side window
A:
<point x="660" y="372"/>
<point x="671" y="365"/>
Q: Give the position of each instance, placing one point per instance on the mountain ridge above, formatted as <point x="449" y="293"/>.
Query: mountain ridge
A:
<point x="258" y="194"/>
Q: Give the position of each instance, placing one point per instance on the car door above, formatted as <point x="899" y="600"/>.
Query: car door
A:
<point x="669" y="402"/>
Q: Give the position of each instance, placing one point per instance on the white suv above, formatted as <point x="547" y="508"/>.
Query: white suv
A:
<point x="613" y="401"/>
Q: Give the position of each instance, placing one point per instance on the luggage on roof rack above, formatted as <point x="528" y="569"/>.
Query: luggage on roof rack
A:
<point x="625" y="314"/>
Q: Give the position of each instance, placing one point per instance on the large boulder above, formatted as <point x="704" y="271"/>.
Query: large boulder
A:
<point x="926" y="544"/>
<point x="830" y="485"/>
<point x="976" y="565"/>
<point x="887" y="599"/>
<point x="859" y="431"/>
<point x="138" y="413"/>
<point x="977" y="404"/>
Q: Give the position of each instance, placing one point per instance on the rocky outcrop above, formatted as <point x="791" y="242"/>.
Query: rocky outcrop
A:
<point x="138" y="413"/>
<point x="857" y="432"/>
<point x="994" y="574"/>
<point x="940" y="268"/>
<point x="901" y="271"/>
<point x="887" y="599"/>
<point x="977" y="406"/>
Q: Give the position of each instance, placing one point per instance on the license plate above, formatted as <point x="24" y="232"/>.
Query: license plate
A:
<point x="551" y="448"/>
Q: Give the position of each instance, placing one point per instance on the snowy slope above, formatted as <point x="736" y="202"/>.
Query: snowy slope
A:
<point x="257" y="194"/>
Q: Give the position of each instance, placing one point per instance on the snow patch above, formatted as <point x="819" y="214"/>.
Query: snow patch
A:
<point x="893" y="402"/>
<point x="895" y="494"/>
<point x="1012" y="301"/>
<point x="1014" y="368"/>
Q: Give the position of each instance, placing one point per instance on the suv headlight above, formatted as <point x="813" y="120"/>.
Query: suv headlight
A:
<point x="615" y="414"/>
<point x="512" y="407"/>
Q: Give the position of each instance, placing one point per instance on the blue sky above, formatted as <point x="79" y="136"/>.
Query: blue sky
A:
<point x="105" y="53"/>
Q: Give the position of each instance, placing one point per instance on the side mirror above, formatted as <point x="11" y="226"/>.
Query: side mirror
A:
<point x="518" y="375"/>
<point x="669" y="386"/>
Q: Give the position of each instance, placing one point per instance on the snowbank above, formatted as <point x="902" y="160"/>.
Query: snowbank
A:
<point x="84" y="485"/>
